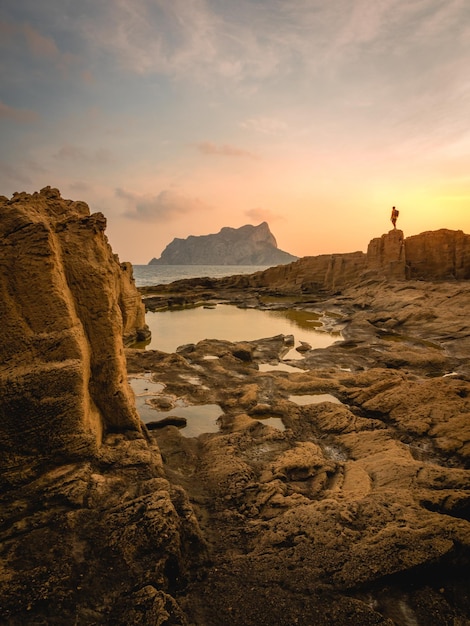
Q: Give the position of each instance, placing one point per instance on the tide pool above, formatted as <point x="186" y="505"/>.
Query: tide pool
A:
<point x="171" y="329"/>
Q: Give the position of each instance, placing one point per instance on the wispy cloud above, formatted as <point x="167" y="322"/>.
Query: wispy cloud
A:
<point x="40" y="46"/>
<point x="263" y="215"/>
<point x="207" y="147"/>
<point x="19" y="116"/>
<point x="38" y="43"/>
<point x="264" y="125"/>
<point x="70" y="152"/>
<point x="14" y="174"/>
<point x="190" y="38"/>
<point x="163" y="207"/>
<point x="80" y="186"/>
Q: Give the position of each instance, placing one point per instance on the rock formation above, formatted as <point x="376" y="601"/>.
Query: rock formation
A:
<point x="89" y="523"/>
<point x="248" y="245"/>
<point x="349" y="510"/>
<point x="327" y="512"/>
<point x="132" y="308"/>
<point x="62" y="327"/>
<point x="433" y="255"/>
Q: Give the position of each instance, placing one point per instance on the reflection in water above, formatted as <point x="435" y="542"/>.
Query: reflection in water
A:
<point x="315" y="398"/>
<point x="275" y="422"/>
<point x="171" y="329"/>
<point x="144" y="385"/>
<point x="201" y="418"/>
<point x="280" y="367"/>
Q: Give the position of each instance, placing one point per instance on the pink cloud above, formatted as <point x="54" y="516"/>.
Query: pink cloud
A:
<point x="71" y="152"/>
<point x="264" y="125"/>
<point x="162" y="207"/>
<point x="207" y="147"/>
<point x="20" y="116"/>
<point x="263" y="215"/>
<point x="38" y="44"/>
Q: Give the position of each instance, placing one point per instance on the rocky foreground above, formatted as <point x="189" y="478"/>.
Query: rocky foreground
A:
<point x="353" y="511"/>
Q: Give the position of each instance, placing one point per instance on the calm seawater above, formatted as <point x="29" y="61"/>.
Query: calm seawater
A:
<point x="149" y="275"/>
<point x="171" y="328"/>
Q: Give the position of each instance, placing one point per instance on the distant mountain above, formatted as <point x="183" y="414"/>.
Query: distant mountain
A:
<point x="248" y="245"/>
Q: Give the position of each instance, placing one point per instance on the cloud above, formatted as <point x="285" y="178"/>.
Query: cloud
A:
<point x="10" y="173"/>
<point x="209" y="41"/>
<point x="19" y="38"/>
<point x="194" y="39"/>
<point x="19" y="116"/>
<point x="207" y="147"/>
<point x="38" y="43"/>
<point x="80" y="186"/>
<point x="70" y="152"/>
<point x="264" y="125"/>
<point x="163" y="207"/>
<point x="263" y="215"/>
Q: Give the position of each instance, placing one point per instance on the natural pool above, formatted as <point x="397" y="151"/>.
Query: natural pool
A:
<point x="315" y="398"/>
<point x="171" y="329"/>
<point x="200" y="418"/>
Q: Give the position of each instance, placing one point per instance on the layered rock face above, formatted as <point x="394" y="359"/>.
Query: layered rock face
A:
<point x="441" y="254"/>
<point x="387" y="255"/>
<point x="132" y="308"/>
<point x="91" y="531"/>
<point x="63" y="299"/>
<point x="248" y="245"/>
<point x="433" y="255"/>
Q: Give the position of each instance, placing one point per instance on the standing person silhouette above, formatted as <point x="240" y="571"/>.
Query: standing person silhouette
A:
<point x="393" y="219"/>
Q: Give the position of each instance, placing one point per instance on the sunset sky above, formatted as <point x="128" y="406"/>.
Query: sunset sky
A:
<point x="179" y="117"/>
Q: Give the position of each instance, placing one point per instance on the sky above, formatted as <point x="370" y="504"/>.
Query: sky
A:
<point x="180" y="117"/>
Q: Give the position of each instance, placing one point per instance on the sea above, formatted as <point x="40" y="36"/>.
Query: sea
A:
<point x="149" y="275"/>
<point x="171" y="329"/>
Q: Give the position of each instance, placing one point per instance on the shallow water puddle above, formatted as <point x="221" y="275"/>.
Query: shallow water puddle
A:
<point x="200" y="418"/>
<point x="192" y="380"/>
<point x="315" y="398"/>
<point x="144" y="385"/>
<point x="280" y="367"/>
<point x="275" y="422"/>
<point x="171" y="328"/>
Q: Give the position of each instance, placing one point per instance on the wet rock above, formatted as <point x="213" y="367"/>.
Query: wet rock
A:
<point x="244" y="352"/>
<point x="350" y="495"/>
<point x="171" y="420"/>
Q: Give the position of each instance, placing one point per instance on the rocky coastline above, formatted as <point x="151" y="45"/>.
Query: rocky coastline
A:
<point x="355" y="511"/>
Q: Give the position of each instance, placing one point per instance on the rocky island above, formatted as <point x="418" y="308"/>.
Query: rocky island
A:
<point x="353" y="511"/>
<point x="247" y="245"/>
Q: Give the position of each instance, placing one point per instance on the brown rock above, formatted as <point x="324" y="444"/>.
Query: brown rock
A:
<point x="433" y="255"/>
<point x="387" y="255"/>
<point x="63" y="371"/>
<point x="438" y="255"/>
<point x="356" y="513"/>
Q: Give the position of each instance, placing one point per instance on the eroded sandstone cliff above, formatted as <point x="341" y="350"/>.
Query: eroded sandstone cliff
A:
<point x="433" y="255"/>
<point x="63" y="371"/>
<point x="91" y="531"/>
